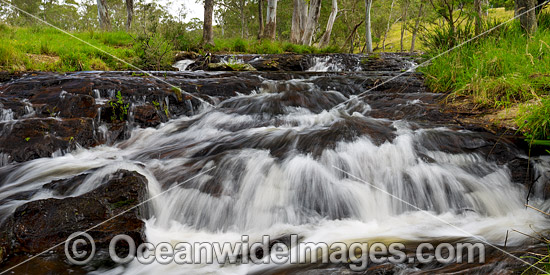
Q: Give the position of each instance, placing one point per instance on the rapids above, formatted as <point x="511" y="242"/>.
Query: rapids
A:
<point x="278" y="153"/>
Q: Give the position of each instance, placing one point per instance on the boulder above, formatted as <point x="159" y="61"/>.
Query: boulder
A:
<point x="42" y="224"/>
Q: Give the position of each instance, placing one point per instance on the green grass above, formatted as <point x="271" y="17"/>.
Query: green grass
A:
<point x="46" y="49"/>
<point x="239" y="45"/>
<point x="534" y="121"/>
<point x="500" y="70"/>
<point x="496" y="71"/>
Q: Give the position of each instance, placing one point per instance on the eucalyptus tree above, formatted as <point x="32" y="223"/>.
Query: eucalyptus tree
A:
<point x="527" y="18"/>
<point x="368" y="34"/>
<point x="312" y="21"/>
<point x="330" y="23"/>
<point x="271" y="24"/>
<point x="103" y="15"/>
<point x="129" y="14"/>
<point x="207" y="30"/>
<point x="260" y="19"/>
<point x="299" y="19"/>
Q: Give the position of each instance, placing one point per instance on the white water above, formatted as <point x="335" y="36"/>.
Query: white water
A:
<point x="326" y="64"/>
<point x="259" y="194"/>
<point x="183" y="64"/>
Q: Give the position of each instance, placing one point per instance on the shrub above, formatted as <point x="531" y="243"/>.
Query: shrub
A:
<point x="240" y="45"/>
<point x="153" y="51"/>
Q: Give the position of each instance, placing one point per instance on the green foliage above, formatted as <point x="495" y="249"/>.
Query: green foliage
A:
<point x="498" y="70"/>
<point x="534" y="121"/>
<point x="120" y="109"/>
<point x="177" y="92"/>
<point x="240" y="45"/>
<point x="153" y="51"/>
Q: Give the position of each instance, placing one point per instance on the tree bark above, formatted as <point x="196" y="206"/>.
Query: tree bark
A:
<point x="312" y="21"/>
<point x="103" y="15"/>
<point x="368" y="34"/>
<point x="299" y="19"/>
<point x="260" y="19"/>
<point x="271" y="26"/>
<point x="479" y="16"/>
<point x="388" y="28"/>
<point x="416" y="25"/>
<point x="129" y="14"/>
<point x="528" y="18"/>
<point x="207" y="30"/>
<point x="325" y="39"/>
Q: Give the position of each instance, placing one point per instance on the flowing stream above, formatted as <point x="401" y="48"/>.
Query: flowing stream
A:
<point x="278" y="153"/>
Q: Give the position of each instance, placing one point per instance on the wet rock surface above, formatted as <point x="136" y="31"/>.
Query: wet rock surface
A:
<point x="49" y="113"/>
<point x="39" y="225"/>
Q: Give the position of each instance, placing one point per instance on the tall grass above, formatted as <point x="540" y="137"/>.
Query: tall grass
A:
<point x="497" y="70"/>
<point x="534" y="120"/>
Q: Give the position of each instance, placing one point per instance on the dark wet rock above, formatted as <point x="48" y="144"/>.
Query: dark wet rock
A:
<point x="5" y="76"/>
<point x="147" y="116"/>
<point x="303" y="62"/>
<point x="65" y="187"/>
<point x="289" y="62"/>
<point x="69" y="106"/>
<point x="38" y="225"/>
<point x="28" y="139"/>
<point x="186" y="55"/>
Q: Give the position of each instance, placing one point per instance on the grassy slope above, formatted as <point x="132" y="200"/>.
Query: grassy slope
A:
<point x="506" y="70"/>
<point x="47" y="49"/>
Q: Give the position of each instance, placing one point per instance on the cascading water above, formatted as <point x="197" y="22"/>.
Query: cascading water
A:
<point x="183" y="64"/>
<point x="278" y="156"/>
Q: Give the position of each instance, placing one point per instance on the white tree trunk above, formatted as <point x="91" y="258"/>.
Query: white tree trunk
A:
<point x="312" y="21"/>
<point x="368" y="34"/>
<point x="299" y="18"/>
<point x="325" y="39"/>
<point x="271" y="25"/>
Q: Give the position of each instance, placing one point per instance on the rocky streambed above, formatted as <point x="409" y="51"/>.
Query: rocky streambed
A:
<point x="80" y="148"/>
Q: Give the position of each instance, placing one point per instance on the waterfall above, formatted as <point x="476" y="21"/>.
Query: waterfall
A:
<point x="278" y="156"/>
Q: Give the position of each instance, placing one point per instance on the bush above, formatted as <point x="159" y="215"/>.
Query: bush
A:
<point x="240" y="45"/>
<point x="153" y="52"/>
